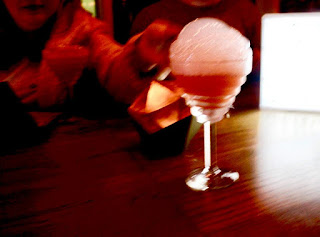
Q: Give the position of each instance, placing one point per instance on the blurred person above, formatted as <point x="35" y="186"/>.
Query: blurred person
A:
<point x="46" y="44"/>
<point x="240" y="14"/>
<point x="46" y="47"/>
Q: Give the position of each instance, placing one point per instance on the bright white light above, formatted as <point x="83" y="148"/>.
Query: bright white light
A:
<point x="290" y="61"/>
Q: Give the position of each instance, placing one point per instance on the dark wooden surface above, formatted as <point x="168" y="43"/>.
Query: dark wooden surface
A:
<point x="90" y="179"/>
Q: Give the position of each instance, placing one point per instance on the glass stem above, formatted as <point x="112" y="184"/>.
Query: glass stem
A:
<point x="210" y="146"/>
<point x="214" y="161"/>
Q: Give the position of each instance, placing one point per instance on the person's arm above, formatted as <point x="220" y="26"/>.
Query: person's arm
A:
<point x="121" y="68"/>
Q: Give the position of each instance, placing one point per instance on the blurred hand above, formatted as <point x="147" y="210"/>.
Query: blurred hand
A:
<point x="153" y="45"/>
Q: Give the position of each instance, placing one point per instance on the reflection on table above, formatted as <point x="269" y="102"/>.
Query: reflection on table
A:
<point x="91" y="179"/>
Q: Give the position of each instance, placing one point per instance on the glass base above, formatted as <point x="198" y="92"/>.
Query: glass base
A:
<point x="213" y="178"/>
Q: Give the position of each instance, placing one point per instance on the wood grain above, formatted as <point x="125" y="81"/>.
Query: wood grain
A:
<point x="90" y="179"/>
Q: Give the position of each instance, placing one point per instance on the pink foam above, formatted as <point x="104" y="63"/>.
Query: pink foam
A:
<point x="208" y="46"/>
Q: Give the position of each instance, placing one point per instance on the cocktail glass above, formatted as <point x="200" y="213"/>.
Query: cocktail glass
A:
<point x="210" y="97"/>
<point x="209" y="108"/>
<point x="210" y="61"/>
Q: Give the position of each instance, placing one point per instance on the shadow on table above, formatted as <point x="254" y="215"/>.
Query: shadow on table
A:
<point x="170" y="141"/>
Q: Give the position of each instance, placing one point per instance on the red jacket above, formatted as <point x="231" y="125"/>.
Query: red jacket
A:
<point x="77" y="41"/>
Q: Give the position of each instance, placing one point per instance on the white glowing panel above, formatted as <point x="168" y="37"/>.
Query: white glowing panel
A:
<point x="290" y="61"/>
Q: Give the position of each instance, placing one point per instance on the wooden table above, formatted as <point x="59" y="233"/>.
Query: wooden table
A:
<point x="90" y="179"/>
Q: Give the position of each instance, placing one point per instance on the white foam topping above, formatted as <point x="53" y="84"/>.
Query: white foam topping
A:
<point x="208" y="46"/>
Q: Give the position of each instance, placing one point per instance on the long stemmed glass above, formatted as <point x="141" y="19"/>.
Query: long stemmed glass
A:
<point x="210" y="61"/>
<point x="209" y="103"/>
<point x="211" y="176"/>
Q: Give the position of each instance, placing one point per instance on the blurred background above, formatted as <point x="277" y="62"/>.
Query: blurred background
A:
<point x="120" y="13"/>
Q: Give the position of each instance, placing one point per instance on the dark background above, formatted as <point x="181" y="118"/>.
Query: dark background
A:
<point x="126" y="10"/>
